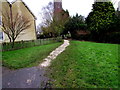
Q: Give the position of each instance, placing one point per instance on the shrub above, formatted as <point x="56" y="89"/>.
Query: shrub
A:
<point x="113" y="37"/>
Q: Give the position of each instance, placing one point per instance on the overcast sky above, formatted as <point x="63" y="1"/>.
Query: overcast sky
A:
<point x="82" y="7"/>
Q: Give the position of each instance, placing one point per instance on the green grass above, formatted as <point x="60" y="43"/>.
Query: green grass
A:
<point x="27" y="57"/>
<point x="86" y="65"/>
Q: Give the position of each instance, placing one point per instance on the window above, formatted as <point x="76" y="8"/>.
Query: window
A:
<point x="1" y="35"/>
<point x="58" y="6"/>
<point x="0" y="20"/>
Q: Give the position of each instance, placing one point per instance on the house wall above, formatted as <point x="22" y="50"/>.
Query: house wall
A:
<point x="4" y="9"/>
<point x="28" y="34"/>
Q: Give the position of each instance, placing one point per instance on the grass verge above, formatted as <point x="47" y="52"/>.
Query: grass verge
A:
<point x="86" y="65"/>
<point x="27" y="57"/>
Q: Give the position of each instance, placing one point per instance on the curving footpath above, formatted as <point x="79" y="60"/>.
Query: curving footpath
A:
<point x="54" y="54"/>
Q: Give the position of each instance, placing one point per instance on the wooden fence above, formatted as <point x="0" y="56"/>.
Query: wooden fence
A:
<point x="31" y="43"/>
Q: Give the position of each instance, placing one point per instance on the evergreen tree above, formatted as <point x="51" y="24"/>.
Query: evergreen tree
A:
<point x="100" y="19"/>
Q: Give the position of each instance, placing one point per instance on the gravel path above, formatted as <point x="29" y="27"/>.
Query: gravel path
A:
<point x="54" y="54"/>
<point x="31" y="77"/>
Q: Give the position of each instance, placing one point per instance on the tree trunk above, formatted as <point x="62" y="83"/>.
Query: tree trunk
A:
<point x="10" y="40"/>
<point x="13" y="42"/>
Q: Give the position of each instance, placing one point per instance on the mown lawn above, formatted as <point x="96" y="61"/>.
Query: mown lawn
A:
<point x="27" y="57"/>
<point x="86" y="65"/>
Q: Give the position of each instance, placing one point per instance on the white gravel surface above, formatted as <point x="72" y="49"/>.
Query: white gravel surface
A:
<point x="54" y="54"/>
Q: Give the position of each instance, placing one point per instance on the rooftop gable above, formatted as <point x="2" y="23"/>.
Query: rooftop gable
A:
<point x="25" y="6"/>
<point x="1" y="1"/>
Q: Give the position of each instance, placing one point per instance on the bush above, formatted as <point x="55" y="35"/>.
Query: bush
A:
<point x="113" y="37"/>
<point x="75" y="24"/>
<point x="85" y="37"/>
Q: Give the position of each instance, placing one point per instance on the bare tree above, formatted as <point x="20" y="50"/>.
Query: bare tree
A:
<point x="13" y="25"/>
<point x="47" y="19"/>
<point x="47" y="14"/>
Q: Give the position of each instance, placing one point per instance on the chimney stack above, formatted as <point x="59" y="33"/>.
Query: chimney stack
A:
<point x="57" y="6"/>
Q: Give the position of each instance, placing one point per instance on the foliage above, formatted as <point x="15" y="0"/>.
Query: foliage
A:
<point x="86" y="65"/>
<point x="113" y="37"/>
<point x="100" y="19"/>
<point x="59" y="21"/>
<point x="75" y="24"/>
<point x="27" y="57"/>
<point x="115" y="26"/>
